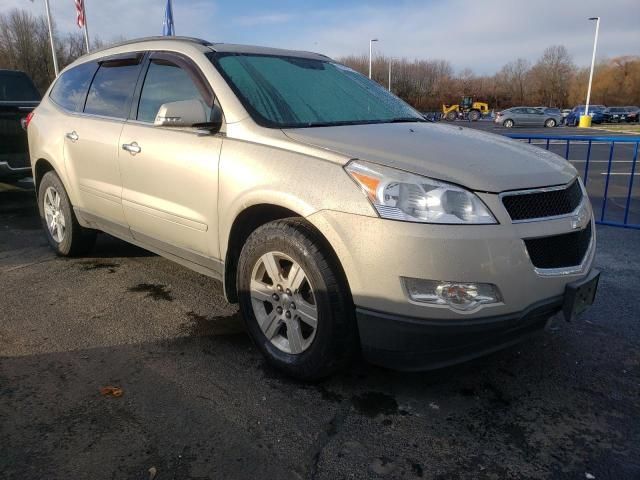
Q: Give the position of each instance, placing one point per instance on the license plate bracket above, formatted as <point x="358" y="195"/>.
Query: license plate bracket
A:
<point x="580" y="295"/>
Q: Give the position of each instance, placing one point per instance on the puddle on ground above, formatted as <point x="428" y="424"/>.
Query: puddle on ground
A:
<point x="110" y="267"/>
<point x="155" y="291"/>
<point x="203" y="326"/>
<point x="372" y="404"/>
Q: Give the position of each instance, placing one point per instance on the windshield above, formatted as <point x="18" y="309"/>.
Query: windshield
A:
<point x="293" y="92"/>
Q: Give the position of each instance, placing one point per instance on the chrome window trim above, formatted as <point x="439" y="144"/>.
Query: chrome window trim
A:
<point x="543" y="190"/>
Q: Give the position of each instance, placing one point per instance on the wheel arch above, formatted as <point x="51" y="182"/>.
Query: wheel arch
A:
<point x="244" y="224"/>
<point x="41" y="167"/>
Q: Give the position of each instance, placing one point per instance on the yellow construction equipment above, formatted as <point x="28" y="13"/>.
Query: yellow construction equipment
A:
<point x="467" y="109"/>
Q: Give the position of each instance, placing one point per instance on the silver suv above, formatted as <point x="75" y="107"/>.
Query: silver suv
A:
<point x="336" y="216"/>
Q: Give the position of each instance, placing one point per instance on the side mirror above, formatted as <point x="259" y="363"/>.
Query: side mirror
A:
<point x="215" y="123"/>
<point x="185" y="113"/>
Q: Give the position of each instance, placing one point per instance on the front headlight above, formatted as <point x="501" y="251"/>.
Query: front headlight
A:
<point x="399" y="195"/>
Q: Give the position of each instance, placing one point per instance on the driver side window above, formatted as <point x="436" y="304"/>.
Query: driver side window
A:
<point x="165" y="82"/>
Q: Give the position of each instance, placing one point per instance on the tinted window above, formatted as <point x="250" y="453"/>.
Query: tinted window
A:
<point x="519" y="110"/>
<point x="111" y="90"/>
<point x="16" y="86"/>
<point x="534" y="111"/>
<point x="71" y="87"/>
<point x="164" y="83"/>
<point x="281" y="91"/>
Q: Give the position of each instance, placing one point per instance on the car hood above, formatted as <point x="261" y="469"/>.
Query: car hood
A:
<point x="477" y="160"/>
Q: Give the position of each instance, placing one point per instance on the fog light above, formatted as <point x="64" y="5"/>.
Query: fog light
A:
<point x="457" y="295"/>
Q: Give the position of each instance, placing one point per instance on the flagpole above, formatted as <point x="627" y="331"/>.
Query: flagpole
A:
<point x="173" y="26"/>
<point x="53" y="46"/>
<point x="85" y="28"/>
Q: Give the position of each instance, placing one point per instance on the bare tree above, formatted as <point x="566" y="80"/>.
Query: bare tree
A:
<point x="513" y="80"/>
<point x="24" y="45"/>
<point x="551" y="76"/>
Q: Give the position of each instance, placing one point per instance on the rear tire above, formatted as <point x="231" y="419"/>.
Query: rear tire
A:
<point x="279" y="311"/>
<point x="550" y="123"/>
<point x="65" y="235"/>
<point x="508" y="123"/>
<point x="474" y="115"/>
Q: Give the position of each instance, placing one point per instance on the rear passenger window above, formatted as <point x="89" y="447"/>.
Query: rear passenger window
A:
<point x="112" y="89"/>
<point x="165" y="82"/>
<point x="70" y="90"/>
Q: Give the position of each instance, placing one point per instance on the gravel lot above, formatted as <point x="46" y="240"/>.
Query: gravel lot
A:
<point x="198" y="401"/>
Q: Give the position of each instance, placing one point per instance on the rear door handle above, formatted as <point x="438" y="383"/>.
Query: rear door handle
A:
<point x="132" y="148"/>
<point x="73" y="136"/>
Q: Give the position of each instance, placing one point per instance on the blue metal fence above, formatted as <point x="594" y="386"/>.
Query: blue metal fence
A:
<point x="615" y="149"/>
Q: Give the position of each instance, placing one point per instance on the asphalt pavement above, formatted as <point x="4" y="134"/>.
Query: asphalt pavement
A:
<point x="123" y="365"/>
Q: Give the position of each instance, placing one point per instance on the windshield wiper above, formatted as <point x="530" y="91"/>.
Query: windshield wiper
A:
<point x="406" y="120"/>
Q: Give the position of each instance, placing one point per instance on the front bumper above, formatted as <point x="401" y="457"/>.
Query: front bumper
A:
<point x="376" y="253"/>
<point x="411" y="344"/>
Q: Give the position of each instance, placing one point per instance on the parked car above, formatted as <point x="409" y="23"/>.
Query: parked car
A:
<point x="527" y="117"/>
<point x="573" y="118"/>
<point x="634" y="114"/>
<point x="620" y="114"/>
<point x="18" y="97"/>
<point x="550" y="110"/>
<point x="332" y="211"/>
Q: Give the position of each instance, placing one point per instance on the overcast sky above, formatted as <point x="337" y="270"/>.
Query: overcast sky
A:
<point x="479" y="34"/>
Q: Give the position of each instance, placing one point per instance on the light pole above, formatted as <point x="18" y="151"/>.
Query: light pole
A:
<point x="389" y="74"/>
<point x="593" y="62"/>
<point x="370" y="53"/>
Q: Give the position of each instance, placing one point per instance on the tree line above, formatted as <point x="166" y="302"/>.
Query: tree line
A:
<point x="553" y="80"/>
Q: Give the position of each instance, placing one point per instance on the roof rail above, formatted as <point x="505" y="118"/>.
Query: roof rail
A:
<point x="199" y="41"/>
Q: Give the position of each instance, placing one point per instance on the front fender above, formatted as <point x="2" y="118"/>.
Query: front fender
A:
<point x="252" y="174"/>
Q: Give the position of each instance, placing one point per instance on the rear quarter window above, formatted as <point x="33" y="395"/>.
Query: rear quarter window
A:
<point x="70" y="90"/>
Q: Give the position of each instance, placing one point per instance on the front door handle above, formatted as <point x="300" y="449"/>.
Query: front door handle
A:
<point x="73" y="136"/>
<point x="132" y="148"/>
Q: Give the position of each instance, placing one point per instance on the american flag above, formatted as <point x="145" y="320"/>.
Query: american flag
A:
<point x="80" y="13"/>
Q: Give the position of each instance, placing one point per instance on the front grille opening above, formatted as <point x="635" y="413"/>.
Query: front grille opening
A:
<point x="543" y="204"/>
<point x="559" y="251"/>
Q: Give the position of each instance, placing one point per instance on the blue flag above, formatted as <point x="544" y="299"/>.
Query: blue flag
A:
<point x="167" y="24"/>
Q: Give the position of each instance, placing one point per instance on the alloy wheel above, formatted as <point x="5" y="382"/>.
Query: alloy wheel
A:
<point x="53" y="214"/>
<point x="283" y="302"/>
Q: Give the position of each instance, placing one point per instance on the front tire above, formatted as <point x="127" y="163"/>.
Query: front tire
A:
<point x="295" y="302"/>
<point x="65" y="235"/>
<point x="474" y="115"/>
<point x="550" y="123"/>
